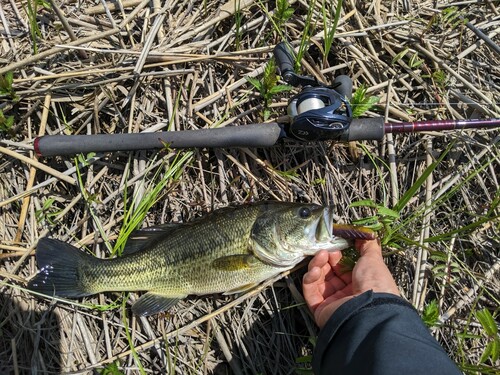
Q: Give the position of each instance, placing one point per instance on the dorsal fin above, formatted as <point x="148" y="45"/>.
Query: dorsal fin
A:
<point x="141" y="238"/>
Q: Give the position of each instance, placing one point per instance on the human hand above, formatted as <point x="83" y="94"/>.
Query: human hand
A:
<point x="326" y="287"/>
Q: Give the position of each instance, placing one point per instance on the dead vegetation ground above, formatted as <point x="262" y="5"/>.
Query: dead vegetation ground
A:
<point x="134" y="65"/>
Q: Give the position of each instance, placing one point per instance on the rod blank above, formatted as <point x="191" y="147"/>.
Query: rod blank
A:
<point x="440" y="125"/>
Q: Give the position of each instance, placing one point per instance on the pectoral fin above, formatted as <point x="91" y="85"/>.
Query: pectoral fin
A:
<point x="153" y="303"/>
<point x="235" y="262"/>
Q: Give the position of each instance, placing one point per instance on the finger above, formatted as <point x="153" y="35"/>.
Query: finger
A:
<point x="313" y="276"/>
<point x="319" y="260"/>
<point x="310" y="288"/>
<point x="334" y="258"/>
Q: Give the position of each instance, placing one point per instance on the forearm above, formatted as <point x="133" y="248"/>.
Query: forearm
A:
<point x="378" y="333"/>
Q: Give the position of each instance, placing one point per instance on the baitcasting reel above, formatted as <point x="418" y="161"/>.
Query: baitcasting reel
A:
<point x="319" y="111"/>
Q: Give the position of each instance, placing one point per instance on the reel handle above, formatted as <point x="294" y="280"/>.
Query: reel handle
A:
<point x="285" y="61"/>
<point x="343" y="85"/>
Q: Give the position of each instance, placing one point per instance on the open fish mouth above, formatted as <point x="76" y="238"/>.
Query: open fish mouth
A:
<point x="326" y="229"/>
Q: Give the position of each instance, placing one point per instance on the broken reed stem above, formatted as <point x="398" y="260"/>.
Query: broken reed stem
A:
<point x="495" y="47"/>
<point x="66" y="26"/>
<point x="38" y="165"/>
<point x="44" y="183"/>
<point x="391" y="152"/>
<point x="420" y="283"/>
<point x="32" y="173"/>
<point x="442" y="291"/>
<point x="99" y="9"/>
<point x="496" y="110"/>
<point x="469" y="296"/>
<point x="52" y="51"/>
<point x="233" y="361"/>
<point x="226" y="10"/>
<point x="453" y="178"/>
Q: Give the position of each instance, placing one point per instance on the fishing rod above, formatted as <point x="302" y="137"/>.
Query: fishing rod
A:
<point x="319" y="112"/>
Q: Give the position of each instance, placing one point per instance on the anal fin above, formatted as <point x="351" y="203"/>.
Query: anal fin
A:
<point x="153" y="303"/>
<point x="240" y="289"/>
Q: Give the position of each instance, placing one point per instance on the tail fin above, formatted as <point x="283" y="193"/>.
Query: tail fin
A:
<point x="59" y="265"/>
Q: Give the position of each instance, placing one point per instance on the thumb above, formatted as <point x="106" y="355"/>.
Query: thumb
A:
<point x="369" y="248"/>
<point x="370" y="271"/>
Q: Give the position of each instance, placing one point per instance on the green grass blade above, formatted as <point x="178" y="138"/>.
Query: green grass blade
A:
<point x="410" y="193"/>
<point x="330" y="33"/>
<point x="462" y="230"/>
<point x="487" y="321"/>
<point x="155" y="190"/>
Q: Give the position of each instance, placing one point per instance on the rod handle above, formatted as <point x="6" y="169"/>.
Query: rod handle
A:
<point x="254" y="135"/>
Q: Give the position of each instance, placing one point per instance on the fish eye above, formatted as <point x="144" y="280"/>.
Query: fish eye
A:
<point x="304" y="212"/>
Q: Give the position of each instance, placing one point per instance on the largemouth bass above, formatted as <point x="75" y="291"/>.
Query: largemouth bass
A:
<point x="228" y="251"/>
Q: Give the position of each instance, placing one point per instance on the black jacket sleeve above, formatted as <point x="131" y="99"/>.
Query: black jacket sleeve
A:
<point x="379" y="333"/>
